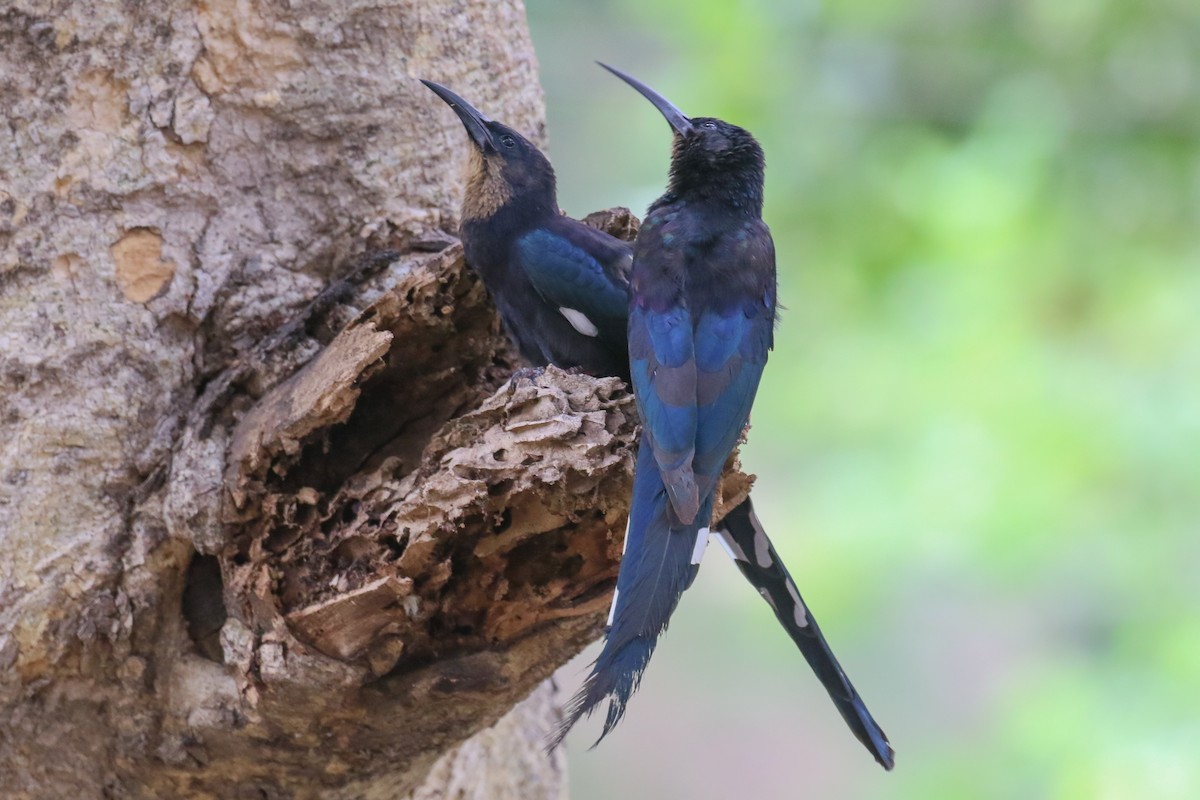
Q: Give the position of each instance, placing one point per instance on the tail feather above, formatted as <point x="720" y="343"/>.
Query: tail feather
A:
<point x="747" y="543"/>
<point x="617" y="679"/>
<point x="655" y="570"/>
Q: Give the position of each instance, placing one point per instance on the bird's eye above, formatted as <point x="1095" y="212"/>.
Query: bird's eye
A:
<point x="508" y="141"/>
<point x="712" y="126"/>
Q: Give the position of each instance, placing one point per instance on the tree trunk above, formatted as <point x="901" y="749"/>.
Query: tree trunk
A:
<point x="267" y="529"/>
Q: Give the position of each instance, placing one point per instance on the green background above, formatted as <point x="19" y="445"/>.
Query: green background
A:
<point x="977" y="437"/>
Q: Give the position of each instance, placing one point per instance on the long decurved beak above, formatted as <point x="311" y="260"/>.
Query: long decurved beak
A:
<point x="472" y="119"/>
<point x="675" y="118"/>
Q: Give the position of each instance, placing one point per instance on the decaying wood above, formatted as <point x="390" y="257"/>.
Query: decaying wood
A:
<point x="389" y="568"/>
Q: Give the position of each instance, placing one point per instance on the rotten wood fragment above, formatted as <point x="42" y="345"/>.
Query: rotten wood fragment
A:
<point x="344" y="626"/>
<point x="320" y="395"/>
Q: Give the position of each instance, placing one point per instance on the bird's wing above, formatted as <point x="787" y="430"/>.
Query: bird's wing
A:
<point x="662" y="361"/>
<point x="579" y="271"/>
<point x="662" y="365"/>
<point x="731" y="346"/>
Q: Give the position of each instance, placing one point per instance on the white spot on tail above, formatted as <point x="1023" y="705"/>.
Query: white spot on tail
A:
<point x="612" y="610"/>
<point x="579" y="321"/>
<point x="731" y="548"/>
<point x="800" y="612"/>
<point x="701" y="544"/>
<point x="762" y="545"/>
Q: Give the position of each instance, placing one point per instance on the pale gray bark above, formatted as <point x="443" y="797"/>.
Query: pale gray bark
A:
<point x="178" y="182"/>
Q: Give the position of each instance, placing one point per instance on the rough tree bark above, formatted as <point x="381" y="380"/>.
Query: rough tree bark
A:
<point x="268" y="528"/>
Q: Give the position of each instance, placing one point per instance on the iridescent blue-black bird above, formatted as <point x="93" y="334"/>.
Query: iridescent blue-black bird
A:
<point x="542" y="268"/>
<point x="701" y="323"/>
<point x="558" y="284"/>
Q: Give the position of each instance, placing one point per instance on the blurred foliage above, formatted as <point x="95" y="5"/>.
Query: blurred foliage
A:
<point x="977" y="438"/>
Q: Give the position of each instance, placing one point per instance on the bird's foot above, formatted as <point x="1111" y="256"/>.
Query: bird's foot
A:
<point x="529" y="374"/>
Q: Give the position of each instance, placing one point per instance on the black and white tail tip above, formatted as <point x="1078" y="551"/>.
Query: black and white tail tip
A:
<point x="742" y="536"/>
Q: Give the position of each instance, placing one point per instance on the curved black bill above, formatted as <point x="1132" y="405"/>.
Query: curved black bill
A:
<point x="472" y="119"/>
<point x="676" y="118"/>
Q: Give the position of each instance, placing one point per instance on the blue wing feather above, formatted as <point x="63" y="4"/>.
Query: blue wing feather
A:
<point x="663" y="370"/>
<point x="718" y="337"/>
<point x="570" y="274"/>
<point x="731" y="353"/>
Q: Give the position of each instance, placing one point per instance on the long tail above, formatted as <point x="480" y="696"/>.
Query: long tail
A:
<point x="748" y="545"/>
<point x="661" y="559"/>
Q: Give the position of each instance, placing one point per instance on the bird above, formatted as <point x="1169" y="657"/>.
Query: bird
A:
<point x="539" y="266"/>
<point x="560" y="286"/>
<point x="701" y="322"/>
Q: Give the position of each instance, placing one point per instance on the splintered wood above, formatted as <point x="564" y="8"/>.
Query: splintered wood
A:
<point x="344" y="626"/>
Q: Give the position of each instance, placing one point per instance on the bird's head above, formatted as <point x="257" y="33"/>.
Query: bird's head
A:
<point x="505" y="167"/>
<point x="707" y="153"/>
